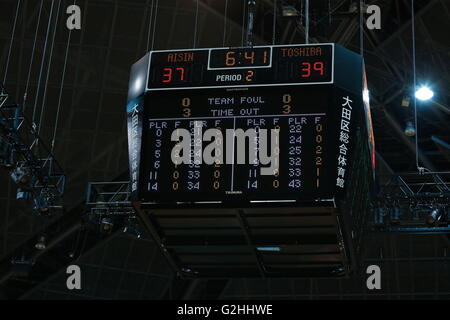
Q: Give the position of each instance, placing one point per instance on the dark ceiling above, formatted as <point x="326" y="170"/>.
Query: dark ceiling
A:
<point x="91" y="136"/>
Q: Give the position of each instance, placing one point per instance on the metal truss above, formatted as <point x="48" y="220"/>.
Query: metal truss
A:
<point x="33" y="168"/>
<point x="109" y="199"/>
<point x="414" y="203"/>
<point x="110" y="208"/>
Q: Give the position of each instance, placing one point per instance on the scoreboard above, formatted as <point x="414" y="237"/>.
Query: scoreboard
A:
<point x="287" y="90"/>
<point x="253" y="161"/>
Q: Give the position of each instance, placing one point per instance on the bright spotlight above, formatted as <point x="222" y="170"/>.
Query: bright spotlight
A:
<point x="424" y="94"/>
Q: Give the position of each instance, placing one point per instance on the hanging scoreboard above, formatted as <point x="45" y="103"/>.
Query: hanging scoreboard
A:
<point x="302" y="93"/>
<point x="254" y="161"/>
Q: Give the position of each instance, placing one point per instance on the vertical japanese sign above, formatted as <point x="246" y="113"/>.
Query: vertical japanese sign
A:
<point x="344" y="141"/>
<point x="135" y="110"/>
<point x="135" y="114"/>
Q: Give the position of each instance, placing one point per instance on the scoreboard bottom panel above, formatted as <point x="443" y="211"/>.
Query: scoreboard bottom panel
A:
<point x="253" y="242"/>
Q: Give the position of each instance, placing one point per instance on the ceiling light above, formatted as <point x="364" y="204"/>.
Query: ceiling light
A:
<point x="22" y="176"/>
<point x="269" y="249"/>
<point x="424" y="93"/>
<point x="405" y="101"/>
<point x="132" y="228"/>
<point x="23" y="195"/>
<point x="41" y="243"/>
<point x="410" y="130"/>
<point x="432" y="217"/>
<point x="290" y="11"/>
<point x="41" y="204"/>
<point x="106" y="225"/>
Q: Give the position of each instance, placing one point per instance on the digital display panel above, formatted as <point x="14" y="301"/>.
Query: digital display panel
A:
<point x="300" y="114"/>
<point x="186" y="100"/>
<point x="259" y="66"/>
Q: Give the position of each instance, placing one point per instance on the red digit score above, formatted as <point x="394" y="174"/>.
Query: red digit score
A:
<point x="309" y="69"/>
<point x="308" y="63"/>
<point x="175" y="67"/>
<point x="173" y="74"/>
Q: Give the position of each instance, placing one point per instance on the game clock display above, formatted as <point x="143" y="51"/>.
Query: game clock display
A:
<point x="240" y="58"/>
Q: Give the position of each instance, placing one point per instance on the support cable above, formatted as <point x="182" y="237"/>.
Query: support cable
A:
<point x="361" y="27"/>
<point x="10" y="46"/>
<point x="251" y="8"/>
<point x="307" y="21"/>
<point x="243" y="22"/>
<point x="274" y="30"/>
<point x="194" y="44"/>
<point x="361" y="40"/>
<point x="225" y="23"/>
<point x="58" y="110"/>
<point x="42" y="62"/>
<point x="150" y="25"/>
<point x="154" y="24"/>
<point x="32" y="56"/>
<point x="413" y="29"/>
<point x="41" y="118"/>
<point x="421" y="170"/>
<point x="329" y="12"/>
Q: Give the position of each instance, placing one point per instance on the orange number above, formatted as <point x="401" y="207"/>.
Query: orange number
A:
<point x="249" y="77"/>
<point x="250" y="56"/>
<point x="181" y="73"/>
<point x="230" y="61"/>
<point x="265" y="56"/>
